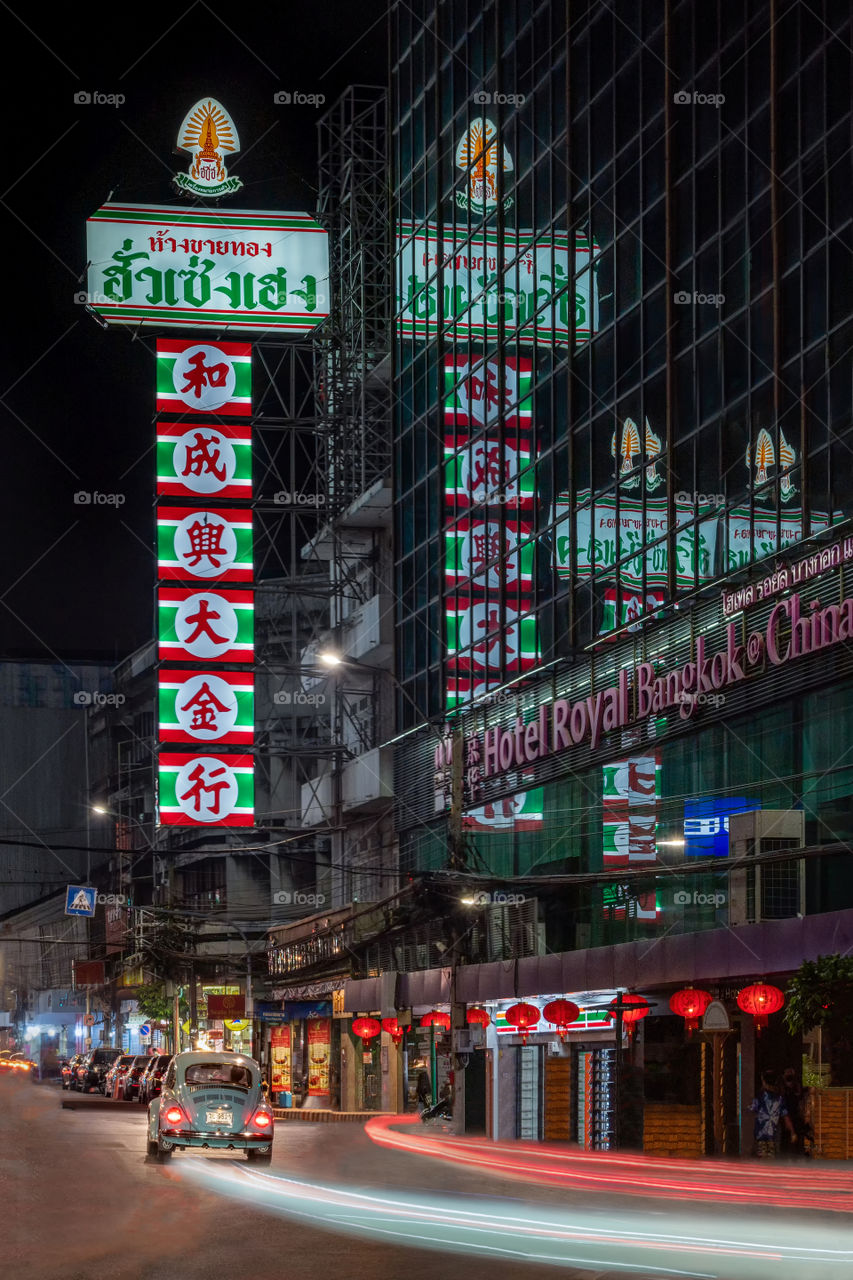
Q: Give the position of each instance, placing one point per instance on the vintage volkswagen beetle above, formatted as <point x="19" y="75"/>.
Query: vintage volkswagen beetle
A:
<point x="213" y="1100"/>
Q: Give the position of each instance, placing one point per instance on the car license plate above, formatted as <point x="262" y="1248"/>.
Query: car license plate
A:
<point x="219" y="1117"/>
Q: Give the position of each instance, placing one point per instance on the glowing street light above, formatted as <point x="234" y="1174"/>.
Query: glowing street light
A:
<point x="329" y="658"/>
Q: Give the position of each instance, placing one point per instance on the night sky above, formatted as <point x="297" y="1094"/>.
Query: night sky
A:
<point x="77" y="402"/>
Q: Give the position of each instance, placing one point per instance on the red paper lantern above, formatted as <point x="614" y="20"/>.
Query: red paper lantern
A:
<point x="477" y="1017"/>
<point x="690" y="1003"/>
<point x="436" y="1019"/>
<point x="393" y="1028"/>
<point x="523" y="1017"/>
<point x="367" y="1028"/>
<point x="562" y="1013"/>
<point x="633" y="1009"/>
<point x="760" y="1000"/>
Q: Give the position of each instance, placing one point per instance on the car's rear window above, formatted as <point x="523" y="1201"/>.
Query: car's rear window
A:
<point x="104" y="1055"/>
<point x="163" y="1061"/>
<point x="140" y="1060"/>
<point x="218" y="1073"/>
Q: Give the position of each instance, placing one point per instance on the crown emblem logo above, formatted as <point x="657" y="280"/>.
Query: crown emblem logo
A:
<point x="630" y="453"/>
<point x="765" y="458"/>
<point x="479" y="154"/>
<point x="209" y="134"/>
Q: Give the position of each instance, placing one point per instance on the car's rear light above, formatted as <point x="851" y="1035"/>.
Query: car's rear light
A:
<point x="262" y="1119"/>
<point x="174" y="1115"/>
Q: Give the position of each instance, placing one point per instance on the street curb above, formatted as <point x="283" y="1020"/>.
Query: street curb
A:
<point x="330" y="1117"/>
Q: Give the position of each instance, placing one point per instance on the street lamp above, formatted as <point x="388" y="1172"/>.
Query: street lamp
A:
<point x="329" y="658"/>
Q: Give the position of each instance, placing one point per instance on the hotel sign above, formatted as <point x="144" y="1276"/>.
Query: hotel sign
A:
<point x="793" y="631"/>
<point x="787" y="576"/>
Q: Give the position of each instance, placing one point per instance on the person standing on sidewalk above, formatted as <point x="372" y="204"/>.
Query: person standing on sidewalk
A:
<point x="424" y="1091"/>
<point x="771" y="1116"/>
<point x="797" y="1105"/>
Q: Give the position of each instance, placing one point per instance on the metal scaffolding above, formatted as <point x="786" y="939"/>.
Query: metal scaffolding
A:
<point x="353" y="369"/>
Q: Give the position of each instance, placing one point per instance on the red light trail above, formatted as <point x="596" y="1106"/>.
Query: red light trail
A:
<point x="794" y="1186"/>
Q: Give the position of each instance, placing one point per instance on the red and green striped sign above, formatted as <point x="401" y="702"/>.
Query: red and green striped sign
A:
<point x="631" y="790"/>
<point x="203" y="789"/>
<point x="199" y="269"/>
<point x="212" y="544"/>
<point x="485" y="472"/>
<point x="198" y="462"/>
<point x="521" y="812"/>
<point x="473" y="394"/>
<point x="206" y="706"/>
<point x="587" y="1019"/>
<point x="480" y="638"/>
<point x="479" y="553"/>
<point x="204" y="377"/>
<point x="206" y="626"/>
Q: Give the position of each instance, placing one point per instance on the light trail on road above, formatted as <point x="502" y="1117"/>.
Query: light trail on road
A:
<point x="793" y="1186"/>
<point x="736" y="1248"/>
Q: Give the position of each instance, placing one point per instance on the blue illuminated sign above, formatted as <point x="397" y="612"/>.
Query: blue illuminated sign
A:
<point x="706" y="824"/>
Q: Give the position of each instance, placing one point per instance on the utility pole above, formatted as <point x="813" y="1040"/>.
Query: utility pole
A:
<point x="618" y="1007"/>
<point x="193" y="1007"/>
<point x="457" y="860"/>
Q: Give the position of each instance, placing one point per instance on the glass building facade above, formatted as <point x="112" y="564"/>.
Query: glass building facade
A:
<point x="622" y="389"/>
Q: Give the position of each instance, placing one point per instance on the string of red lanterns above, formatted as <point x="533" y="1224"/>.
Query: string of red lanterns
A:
<point x="759" y="999"/>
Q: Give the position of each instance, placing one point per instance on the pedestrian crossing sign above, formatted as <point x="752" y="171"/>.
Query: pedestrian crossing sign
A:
<point x="80" y="900"/>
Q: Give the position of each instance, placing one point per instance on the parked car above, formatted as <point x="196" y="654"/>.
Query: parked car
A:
<point x="68" y="1070"/>
<point x="116" y="1070"/>
<point x="215" y="1101"/>
<point x="132" y="1077"/>
<point x="152" y="1078"/>
<point x="91" y="1071"/>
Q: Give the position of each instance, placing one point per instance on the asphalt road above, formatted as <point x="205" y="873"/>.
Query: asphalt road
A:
<point x="80" y="1199"/>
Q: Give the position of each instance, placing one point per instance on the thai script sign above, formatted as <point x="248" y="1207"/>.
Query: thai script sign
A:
<point x="605" y="536"/>
<point x="154" y="264"/>
<point x="474" y="285"/>
<point x="786" y="576"/>
<point x="754" y="539"/>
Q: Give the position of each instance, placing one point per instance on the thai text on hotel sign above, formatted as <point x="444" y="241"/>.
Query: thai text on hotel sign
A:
<point x="787" y="576"/>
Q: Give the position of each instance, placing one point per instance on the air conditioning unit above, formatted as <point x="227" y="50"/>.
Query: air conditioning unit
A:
<point x="769" y="890"/>
<point x="514" y="931"/>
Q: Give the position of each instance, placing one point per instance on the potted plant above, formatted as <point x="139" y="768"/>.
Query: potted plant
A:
<point x="820" y="996"/>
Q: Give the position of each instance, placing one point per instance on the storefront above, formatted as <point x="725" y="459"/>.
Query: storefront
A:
<point x="299" y="1046"/>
